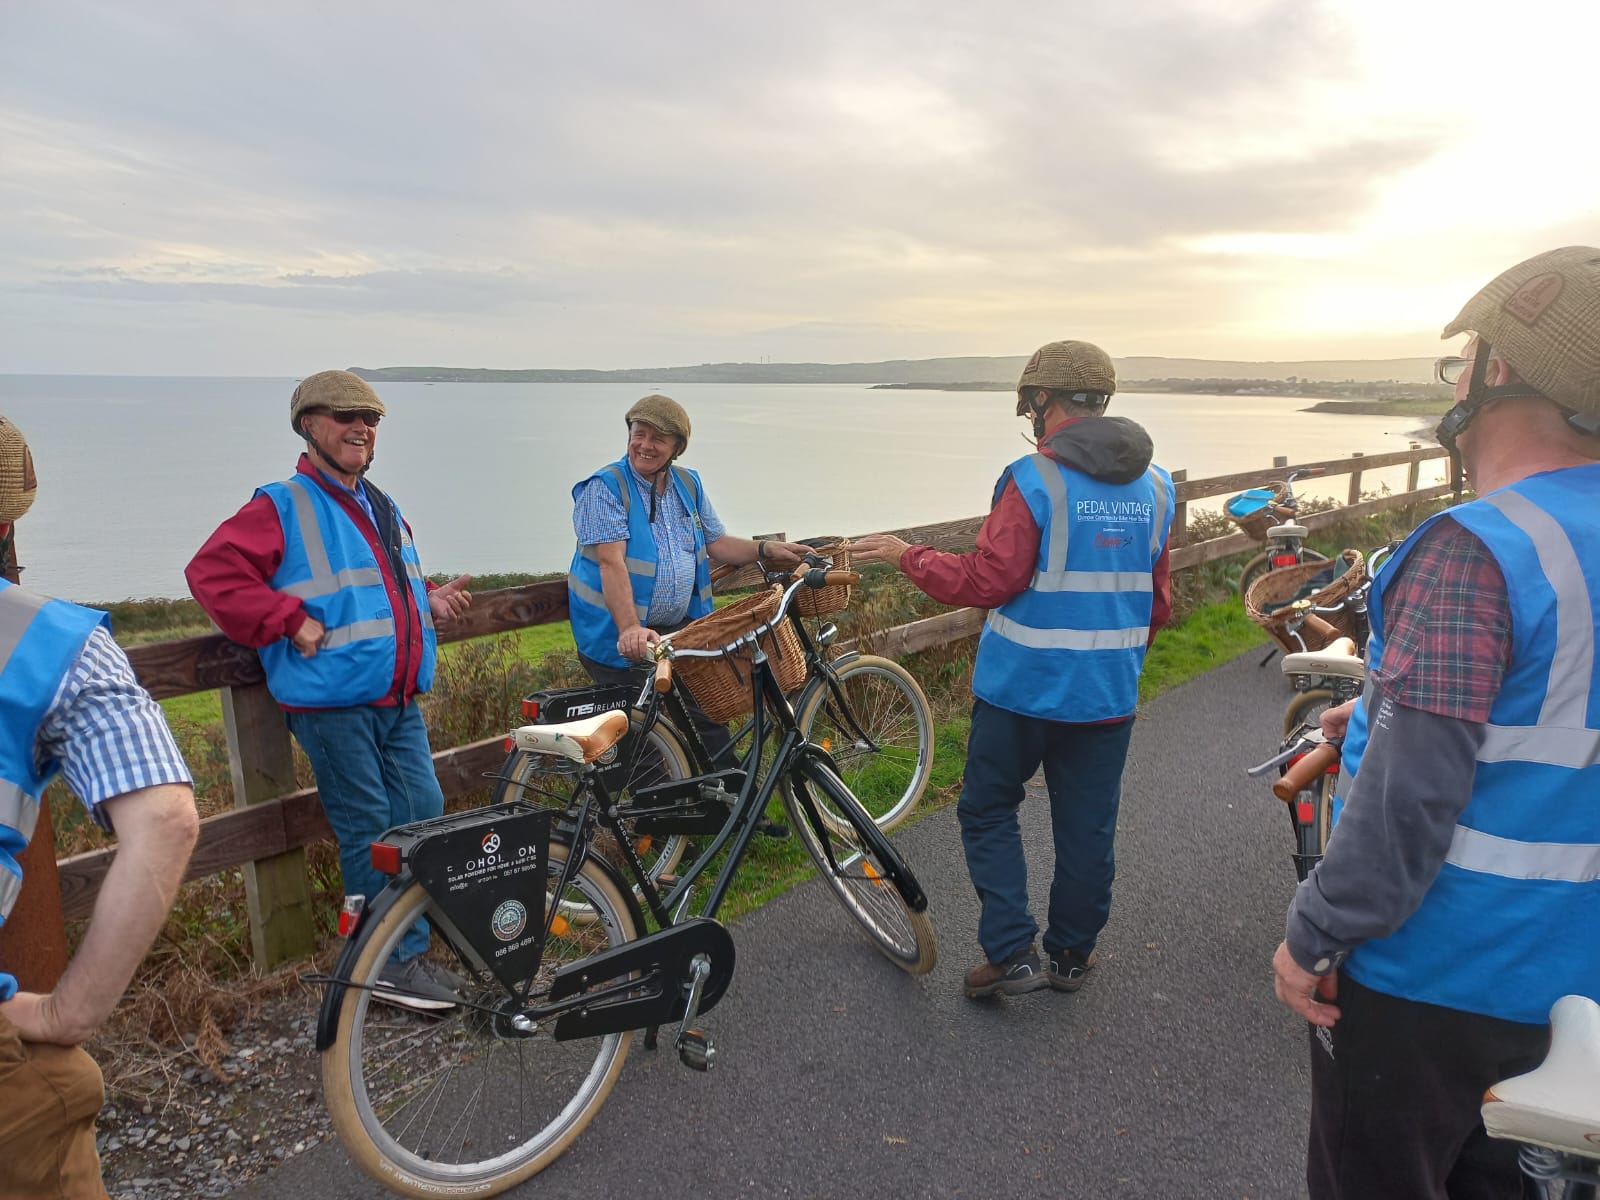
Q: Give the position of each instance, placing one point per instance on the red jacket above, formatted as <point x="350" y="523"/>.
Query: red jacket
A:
<point x="1006" y="558"/>
<point x="229" y="578"/>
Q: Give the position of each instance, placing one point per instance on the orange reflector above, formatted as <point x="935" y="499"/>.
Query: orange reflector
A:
<point x="827" y="744"/>
<point x="530" y="709"/>
<point x="386" y="858"/>
<point x="643" y="844"/>
<point x="871" y="872"/>
<point x="559" y="926"/>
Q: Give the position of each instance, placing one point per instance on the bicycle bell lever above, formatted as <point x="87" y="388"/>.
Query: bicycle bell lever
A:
<point x="695" y="1047"/>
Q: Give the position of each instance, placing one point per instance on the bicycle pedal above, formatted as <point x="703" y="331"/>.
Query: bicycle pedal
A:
<point x="696" y="1050"/>
<point x="776" y="830"/>
<point x="667" y="882"/>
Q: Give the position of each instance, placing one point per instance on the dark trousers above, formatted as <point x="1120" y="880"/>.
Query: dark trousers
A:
<point x="1083" y="771"/>
<point x="1395" y="1097"/>
<point x="713" y="734"/>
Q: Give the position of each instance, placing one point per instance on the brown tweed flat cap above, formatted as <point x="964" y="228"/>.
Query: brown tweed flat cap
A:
<point x="333" y="390"/>
<point x="1069" y="367"/>
<point x="17" y="483"/>
<point x="1543" y="317"/>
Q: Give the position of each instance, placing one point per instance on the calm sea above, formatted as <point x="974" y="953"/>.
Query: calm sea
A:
<point x="134" y="473"/>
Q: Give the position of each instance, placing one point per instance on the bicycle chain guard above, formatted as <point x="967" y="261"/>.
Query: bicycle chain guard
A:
<point x="662" y="964"/>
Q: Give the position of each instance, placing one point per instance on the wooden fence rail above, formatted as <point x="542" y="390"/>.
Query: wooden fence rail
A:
<point x="271" y="824"/>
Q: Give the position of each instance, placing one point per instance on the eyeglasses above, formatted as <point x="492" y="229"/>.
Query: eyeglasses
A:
<point x="1451" y="368"/>
<point x="349" y="416"/>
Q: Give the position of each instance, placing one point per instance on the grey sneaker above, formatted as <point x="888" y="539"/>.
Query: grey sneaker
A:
<point x="1017" y="974"/>
<point x="420" y="985"/>
<point x="1067" y="969"/>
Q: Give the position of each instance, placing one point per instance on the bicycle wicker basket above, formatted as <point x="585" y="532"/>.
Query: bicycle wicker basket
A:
<point x="1257" y="522"/>
<point x="825" y="601"/>
<point x="1268" y="598"/>
<point x="721" y="686"/>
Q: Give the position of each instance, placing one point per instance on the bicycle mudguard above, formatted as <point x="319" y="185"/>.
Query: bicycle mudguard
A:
<point x="333" y="988"/>
<point x="661" y="961"/>
<point x="877" y="841"/>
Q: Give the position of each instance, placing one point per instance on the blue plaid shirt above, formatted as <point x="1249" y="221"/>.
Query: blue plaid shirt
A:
<point x="598" y="517"/>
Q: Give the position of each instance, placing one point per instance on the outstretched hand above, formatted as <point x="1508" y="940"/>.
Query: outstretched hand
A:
<point x="878" y="547"/>
<point x="450" y="599"/>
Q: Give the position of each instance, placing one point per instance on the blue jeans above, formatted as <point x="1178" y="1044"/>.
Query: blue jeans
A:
<point x="1083" y="771"/>
<point x="374" y="771"/>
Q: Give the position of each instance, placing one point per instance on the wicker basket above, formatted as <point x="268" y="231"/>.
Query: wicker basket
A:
<point x="824" y="602"/>
<point x="1264" y="518"/>
<point x="721" y="686"/>
<point x="1268" y="598"/>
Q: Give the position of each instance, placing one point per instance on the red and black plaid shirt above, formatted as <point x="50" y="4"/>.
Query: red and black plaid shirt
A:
<point x="1447" y="626"/>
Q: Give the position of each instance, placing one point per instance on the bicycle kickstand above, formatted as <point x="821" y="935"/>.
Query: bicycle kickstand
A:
<point x="695" y="1047"/>
<point x="1267" y="659"/>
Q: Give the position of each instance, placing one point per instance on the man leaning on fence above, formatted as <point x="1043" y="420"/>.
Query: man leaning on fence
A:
<point x="69" y="703"/>
<point x="1073" y="560"/>
<point x="320" y="574"/>
<point x="1460" y="894"/>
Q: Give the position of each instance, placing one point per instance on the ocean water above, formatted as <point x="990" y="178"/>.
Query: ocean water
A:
<point x="135" y="472"/>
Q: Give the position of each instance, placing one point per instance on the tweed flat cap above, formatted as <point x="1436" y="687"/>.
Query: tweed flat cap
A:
<point x="17" y="483"/>
<point x="1069" y="367"/>
<point x="335" y="391"/>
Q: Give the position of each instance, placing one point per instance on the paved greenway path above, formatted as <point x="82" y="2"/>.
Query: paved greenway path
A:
<point x="1173" y="1073"/>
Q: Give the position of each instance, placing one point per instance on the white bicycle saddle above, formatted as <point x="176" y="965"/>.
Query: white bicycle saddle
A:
<point x="1338" y="657"/>
<point x="1557" y="1104"/>
<point x="1289" y="531"/>
<point x="582" y="741"/>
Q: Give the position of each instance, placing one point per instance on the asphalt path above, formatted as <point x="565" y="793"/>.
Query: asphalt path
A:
<point x="1172" y="1073"/>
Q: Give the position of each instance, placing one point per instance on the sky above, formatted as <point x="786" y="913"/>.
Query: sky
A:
<point x="271" y="189"/>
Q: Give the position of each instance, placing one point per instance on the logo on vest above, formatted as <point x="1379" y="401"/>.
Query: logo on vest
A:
<point x="1112" y="539"/>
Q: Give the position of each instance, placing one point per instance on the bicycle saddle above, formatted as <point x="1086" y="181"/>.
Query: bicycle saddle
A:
<point x="1557" y="1104"/>
<point x="1338" y="657"/>
<point x="582" y="741"/>
<point x="1289" y="531"/>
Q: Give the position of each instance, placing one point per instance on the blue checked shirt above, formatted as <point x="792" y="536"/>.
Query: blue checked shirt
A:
<point x="598" y="518"/>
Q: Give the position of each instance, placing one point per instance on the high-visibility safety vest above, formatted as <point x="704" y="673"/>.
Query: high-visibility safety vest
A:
<point x="39" y="640"/>
<point x="592" y="626"/>
<point x="1512" y="921"/>
<point x="1070" y="646"/>
<point x="330" y="566"/>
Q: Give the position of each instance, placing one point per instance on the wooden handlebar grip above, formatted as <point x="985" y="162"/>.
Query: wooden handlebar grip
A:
<point x="1303" y="771"/>
<point x="1315" y="624"/>
<point x="845" y="577"/>
<point x="664" y="675"/>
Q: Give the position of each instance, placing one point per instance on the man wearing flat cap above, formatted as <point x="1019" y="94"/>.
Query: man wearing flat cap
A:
<point x="319" y="573"/>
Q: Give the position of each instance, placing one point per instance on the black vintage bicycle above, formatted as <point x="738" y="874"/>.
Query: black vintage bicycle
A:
<point x="564" y="954"/>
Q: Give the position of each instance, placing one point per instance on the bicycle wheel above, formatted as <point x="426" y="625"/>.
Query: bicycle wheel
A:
<point x="547" y="779"/>
<point x="1253" y="570"/>
<point x="460" y="1102"/>
<point x="1311" y="839"/>
<point x="887" y="769"/>
<point x="1306" y="709"/>
<point x="861" y="882"/>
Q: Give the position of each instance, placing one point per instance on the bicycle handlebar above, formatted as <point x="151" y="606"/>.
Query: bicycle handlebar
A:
<point x="663" y="679"/>
<point x="1305" y="770"/>
<point x="815" y="577"/>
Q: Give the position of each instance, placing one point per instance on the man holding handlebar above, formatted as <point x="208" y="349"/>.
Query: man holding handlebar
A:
<point x="1460" y="893"/>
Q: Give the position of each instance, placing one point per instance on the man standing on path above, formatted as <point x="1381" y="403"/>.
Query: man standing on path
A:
<point x="320" y="575"/>
<point x="1460" y="894"/>
<point x="1073" y="560"/>
<point x="69" y="703"/>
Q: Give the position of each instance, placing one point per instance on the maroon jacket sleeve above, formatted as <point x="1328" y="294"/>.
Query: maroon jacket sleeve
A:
<point x="1007" y="553"/>
<point x="1161" y="587"/>
<point x="228" y="577"/>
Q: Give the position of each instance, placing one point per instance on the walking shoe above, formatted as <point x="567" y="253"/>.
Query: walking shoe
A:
<point x="419" y="985"/>
<point x="1017" y="974"/>
<point x="1067" y="969"/>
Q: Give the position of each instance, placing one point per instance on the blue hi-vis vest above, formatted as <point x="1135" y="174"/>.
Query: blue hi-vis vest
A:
<point x="329" y="565"/>
<point x="1070" y="646"/>
<point x="592" y="627"/>
<point x="1512" y="921"/>
<point x="39" y="640"/>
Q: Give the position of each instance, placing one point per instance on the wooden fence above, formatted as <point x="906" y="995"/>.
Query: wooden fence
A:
<point x="271" y="822"/>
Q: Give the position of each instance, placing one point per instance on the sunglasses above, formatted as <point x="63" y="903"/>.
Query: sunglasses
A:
<point x="349" y="416"/>
<point x="1451" y="368"/>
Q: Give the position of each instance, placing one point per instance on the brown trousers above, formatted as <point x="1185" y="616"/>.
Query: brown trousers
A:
<point x="49" y="1098"/>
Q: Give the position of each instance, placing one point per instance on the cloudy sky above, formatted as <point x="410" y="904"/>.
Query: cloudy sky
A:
<point x="228" y="188"/>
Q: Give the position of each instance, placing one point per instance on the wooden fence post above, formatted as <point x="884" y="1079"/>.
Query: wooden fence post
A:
<point x="1180" y="513"/>
<point x="277" y="889"/>
<point x="1280" y="460"/>
<point x="1414" y="471"/>
<point x="1355" y="481"/>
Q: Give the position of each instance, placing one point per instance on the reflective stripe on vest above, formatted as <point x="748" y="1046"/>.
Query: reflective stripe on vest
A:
<point x="16" y="614"/>
<point x="1474" y="850"/>
<point x="325" y="581"/>
<point x="18" y="809"/>
<point x="1068" y="639"/>
<point x="10" y="889"/>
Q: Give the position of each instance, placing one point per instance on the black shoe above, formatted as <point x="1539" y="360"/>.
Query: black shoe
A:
<point x="1067" y="969"/>
<point x="1018" y="974"/>
<point x="772" y="829"/>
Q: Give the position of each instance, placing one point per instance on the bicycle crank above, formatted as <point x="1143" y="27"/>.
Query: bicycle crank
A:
<point x="695" y="1047"/>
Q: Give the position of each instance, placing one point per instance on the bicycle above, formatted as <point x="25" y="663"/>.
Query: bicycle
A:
<point x="1554" y="1110"/>
<point x="1254" y="511"/>
<point x="868" y="711"/>
<point x="558" y="971"/>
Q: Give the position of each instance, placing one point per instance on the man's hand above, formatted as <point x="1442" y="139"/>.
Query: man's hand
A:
<point x="1299" y="988"/>
<point x="635" y="643"/>
<point x="878" y="547"/>
<point x="35" y="1020"/>
<point x="308" y="637"/>
<point x="450" y="599"/>
<point x="783" y="552"/>
<point x="1336" y="720"/>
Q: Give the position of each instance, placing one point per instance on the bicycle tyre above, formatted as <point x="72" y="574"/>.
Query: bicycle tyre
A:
<point x="493" y="1109"/>
<point x="861" y="883"/>
<point x="890" y="707"/>
<point x="1306" y="709"/>
<point x="553" y="783"/>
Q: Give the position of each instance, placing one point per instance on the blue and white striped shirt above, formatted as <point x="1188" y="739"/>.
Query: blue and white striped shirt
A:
<point x="599" y="517"/>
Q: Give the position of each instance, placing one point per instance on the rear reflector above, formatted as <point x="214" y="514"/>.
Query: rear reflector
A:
<point x="1304" y="811"/>
<point x="1283" y="560"/>
<point x="350" y="914"/>
<point x="386" y="858"/>
<point x="530" y="709"/>
<point x="511" y="744"/>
